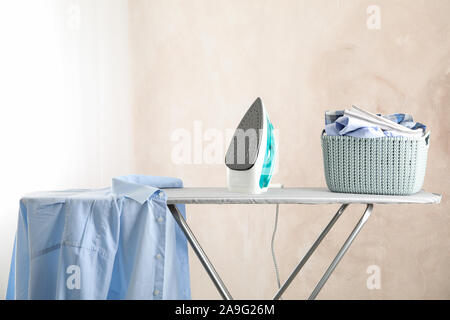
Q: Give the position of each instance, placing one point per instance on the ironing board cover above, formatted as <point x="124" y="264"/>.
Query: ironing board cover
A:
<point x="290" y="196"/>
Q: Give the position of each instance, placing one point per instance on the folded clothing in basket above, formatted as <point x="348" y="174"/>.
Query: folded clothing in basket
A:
<point x="359" y="123"/>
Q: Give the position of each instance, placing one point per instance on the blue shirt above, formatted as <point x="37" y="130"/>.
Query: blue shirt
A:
<point x="112" y="243"/>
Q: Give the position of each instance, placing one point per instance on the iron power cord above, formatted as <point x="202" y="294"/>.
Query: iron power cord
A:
<point x="274" y="258"/>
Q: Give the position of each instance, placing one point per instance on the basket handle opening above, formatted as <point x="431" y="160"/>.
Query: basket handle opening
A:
<point x="427" y="138"/>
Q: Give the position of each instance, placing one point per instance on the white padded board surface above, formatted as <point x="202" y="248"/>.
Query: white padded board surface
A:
<point x="290" y="196"/>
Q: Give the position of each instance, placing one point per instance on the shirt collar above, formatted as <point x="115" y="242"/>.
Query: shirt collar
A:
<point x="127" y="186"/>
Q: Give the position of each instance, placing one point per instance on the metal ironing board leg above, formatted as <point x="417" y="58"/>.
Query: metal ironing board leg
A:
<point x="221" y="286"/>
<point x="200" y="253"/>
<point x="342" y="251"/>
<point x="310" y="252"/>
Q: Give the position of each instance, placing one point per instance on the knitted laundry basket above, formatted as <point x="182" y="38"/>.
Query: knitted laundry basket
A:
<point x="387" y="165"/>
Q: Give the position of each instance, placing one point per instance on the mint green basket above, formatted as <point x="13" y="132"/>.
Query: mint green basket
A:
<point x="387" y="165"/>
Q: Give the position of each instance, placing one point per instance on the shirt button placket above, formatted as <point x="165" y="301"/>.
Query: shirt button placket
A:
<point x="157" y="292"/>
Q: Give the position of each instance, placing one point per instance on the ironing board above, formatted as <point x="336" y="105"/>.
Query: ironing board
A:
<point x="284" y="196"/>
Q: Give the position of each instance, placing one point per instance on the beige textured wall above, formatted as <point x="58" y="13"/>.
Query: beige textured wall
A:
<point x="207" y="60"/>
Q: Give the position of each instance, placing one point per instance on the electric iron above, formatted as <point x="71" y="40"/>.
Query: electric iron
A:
<point x="250" y="158"/>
